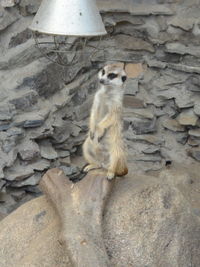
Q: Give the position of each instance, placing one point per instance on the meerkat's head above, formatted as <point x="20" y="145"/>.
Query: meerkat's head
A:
<point x="112" y="75"/>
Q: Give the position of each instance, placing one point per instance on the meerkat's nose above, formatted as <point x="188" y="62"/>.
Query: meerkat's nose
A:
<point x="102" y="81"/>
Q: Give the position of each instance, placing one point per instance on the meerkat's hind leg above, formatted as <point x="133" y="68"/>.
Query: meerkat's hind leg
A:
<point x="112" y="167"/>
<point x="117" y="165"/>
<point x="90" y="158"/>
<point x="90" y="167"/>
<point x="110" y="175"/>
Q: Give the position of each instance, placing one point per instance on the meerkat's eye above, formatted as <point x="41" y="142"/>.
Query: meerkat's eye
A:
<point x="112" y="76"/>
<point x="103" y="71"/>
<point x="124" y="78"/>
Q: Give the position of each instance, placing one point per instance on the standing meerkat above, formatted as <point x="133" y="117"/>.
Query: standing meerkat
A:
<point x="104" y="146"/>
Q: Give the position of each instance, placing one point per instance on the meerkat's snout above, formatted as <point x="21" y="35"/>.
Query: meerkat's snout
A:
<point x="102" y="81"/>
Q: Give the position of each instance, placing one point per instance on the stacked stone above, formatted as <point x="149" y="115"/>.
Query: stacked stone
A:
<point x="44" y="107"/>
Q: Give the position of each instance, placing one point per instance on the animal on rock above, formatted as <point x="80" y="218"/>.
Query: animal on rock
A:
<point x="104" y="146"/>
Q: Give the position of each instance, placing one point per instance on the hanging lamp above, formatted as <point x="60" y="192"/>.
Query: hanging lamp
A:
<point x="65" y="19"/>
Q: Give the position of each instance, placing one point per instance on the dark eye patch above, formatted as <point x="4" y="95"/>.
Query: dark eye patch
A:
<point x="124" y="78"/>
<point x="112" y="76"/>
<point x="103" y="72"/>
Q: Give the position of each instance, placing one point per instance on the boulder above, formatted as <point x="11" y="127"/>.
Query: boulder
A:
<point x="152" y="222"/>
<point x="147" y="222"/>
<point x="29" y="237"/>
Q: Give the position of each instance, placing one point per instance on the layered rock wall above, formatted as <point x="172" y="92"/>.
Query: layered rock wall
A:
<point x="44" y="107"/>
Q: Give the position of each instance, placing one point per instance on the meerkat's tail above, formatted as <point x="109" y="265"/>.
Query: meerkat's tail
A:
<point x="117" y="167"/>
<point x="118" y="162"/>
<point x="117" y="151"/>
<point x="121" y="168"/>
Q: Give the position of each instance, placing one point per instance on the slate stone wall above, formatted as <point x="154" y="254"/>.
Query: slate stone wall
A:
<point x="44" y="107"/>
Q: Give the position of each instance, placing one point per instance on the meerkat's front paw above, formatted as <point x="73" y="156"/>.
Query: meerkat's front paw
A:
<point x="90" y="167"/>
<point x="91" y="135"/>
<point x="100" y="134"/>
<point x="110" y="175"/>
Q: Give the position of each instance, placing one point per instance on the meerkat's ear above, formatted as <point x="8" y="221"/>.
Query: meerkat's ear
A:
<point x="124" y="78"/>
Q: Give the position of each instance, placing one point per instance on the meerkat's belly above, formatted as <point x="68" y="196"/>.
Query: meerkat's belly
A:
<point x="103" y="107"/>
<point x="102" y="112"/>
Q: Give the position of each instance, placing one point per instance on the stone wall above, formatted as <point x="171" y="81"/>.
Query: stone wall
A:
<point x="44" y="107"/>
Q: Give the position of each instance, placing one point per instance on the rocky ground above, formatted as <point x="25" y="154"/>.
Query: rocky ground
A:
<point x="149" y="220"/>
<point x="44" y="107"/>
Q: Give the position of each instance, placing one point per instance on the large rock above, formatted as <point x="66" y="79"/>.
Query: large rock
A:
<point x="29" y="237"/>
<point x="40" y="100"/>
<point x="150" y="222"/>
<point x="147" y="222"/>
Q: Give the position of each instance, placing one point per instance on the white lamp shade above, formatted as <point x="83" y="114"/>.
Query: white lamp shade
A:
<point x="68" y="17"/>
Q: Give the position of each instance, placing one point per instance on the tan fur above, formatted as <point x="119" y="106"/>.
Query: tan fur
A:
<point x="104" y="146"/>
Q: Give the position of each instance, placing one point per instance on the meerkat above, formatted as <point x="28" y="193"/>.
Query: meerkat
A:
<point x="104" y="146"/>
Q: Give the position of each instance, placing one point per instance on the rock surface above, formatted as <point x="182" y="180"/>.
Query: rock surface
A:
<point x="156" y="228"/>
<point x="36" y="230"/>
<point x="149" y="221"/>
<point x="45" y="107"/>
<point x="187" y="118"/>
